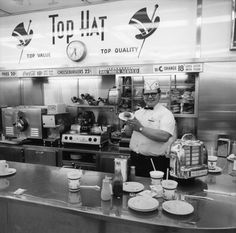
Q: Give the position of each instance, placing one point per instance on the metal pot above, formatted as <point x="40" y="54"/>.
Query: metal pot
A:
<point x="96" y="129"/>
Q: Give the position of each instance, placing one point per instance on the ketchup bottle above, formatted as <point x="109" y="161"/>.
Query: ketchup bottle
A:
<point x="117" y="186"/>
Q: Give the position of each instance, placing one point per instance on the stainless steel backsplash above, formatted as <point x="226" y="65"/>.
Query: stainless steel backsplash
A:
<point x="217" y="102"/>
<point x="216" y="107"/>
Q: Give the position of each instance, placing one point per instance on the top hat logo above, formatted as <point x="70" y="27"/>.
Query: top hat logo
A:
<point x="24" y="37"/>
<point x="145" y="25"/>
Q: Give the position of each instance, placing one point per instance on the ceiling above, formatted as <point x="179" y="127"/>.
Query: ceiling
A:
<point x="13" y="7"/>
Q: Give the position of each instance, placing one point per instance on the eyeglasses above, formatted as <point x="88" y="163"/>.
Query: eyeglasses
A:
<point x="153" y="95"/>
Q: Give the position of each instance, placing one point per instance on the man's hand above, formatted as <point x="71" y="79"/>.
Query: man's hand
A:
<point x="127" y="130"/>
<point x="134" y="124"/>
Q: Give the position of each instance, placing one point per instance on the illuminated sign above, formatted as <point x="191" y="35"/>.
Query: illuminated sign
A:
<point x="178" y="68"/>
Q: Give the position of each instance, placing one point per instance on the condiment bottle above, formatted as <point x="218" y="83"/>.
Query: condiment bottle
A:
<point x="106" y="190"/>
<point x="132" y="173"/>
<point x="117" y="181"/>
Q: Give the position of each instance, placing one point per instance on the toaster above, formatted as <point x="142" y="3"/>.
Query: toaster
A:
<point x="188" y="158"/>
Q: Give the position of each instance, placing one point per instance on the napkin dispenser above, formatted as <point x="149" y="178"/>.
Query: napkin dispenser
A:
<point x="223" y="147"/>
<point x="188" y="158"/>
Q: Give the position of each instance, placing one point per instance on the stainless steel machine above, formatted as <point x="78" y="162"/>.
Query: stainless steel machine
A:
<point x="1" y="107"/>
<point x="86" y="132"/>
<point x="56" y="125"/>
<point x="23" y="122"/>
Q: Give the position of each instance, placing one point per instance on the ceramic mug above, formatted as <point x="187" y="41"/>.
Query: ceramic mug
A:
<point x="74" y="178"/>
<point x="169" y="189"/>
<point x="212" y="161"/>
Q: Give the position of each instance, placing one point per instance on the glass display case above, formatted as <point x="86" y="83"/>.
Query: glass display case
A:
<point x="184" y="95"/>
<point x="179" y="93"/>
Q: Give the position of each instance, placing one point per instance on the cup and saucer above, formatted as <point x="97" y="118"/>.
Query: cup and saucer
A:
<point x="5" y="170"/>
<point x="212" y="167"/>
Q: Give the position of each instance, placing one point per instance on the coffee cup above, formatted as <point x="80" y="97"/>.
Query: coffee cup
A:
<point x="156" y="177"/>
<point x="212" y="161"/>
<point x="3" y="167"/>
<point x="74" y="178"/>
<point x="169" y="189"/>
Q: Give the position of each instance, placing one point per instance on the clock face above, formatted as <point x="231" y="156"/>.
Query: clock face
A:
<point x="76" y="50"/>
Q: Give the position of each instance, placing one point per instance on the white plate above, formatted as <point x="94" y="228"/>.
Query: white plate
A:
<point x="132" y="187"/>
<point x="124" y="118"/>
<point x="231" y="160"/>
<point x="177" y="207"/>
<point x="143" y="204"/>
<point x="10" y="171"/>
<point x="231" y="157"/>
<point x="216" y="170"/>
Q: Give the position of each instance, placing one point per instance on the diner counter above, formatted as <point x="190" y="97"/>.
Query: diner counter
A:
<point x="46" y="205"/>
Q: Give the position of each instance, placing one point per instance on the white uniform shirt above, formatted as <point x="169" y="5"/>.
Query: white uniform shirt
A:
<point x="158" y="118"/>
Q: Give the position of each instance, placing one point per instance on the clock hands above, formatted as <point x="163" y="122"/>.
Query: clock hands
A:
<point x="74" y="52"/>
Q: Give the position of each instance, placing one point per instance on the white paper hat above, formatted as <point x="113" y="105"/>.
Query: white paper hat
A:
<point x="151" y="86"/>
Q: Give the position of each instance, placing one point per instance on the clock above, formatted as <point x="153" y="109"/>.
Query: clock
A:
<point x="76" y="50"/>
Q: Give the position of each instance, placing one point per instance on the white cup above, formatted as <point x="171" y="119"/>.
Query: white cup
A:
<point x="3" y="167"/>
<point x="212" y="161"/>
<point x="156" y="177"/>
<point x="74" y="178"/>
<point x="169" y="189"/>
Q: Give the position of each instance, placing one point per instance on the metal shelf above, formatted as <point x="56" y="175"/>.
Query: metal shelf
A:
<point x="91" y="106"/>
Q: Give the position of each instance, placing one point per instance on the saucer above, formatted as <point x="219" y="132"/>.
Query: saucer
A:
<point x="132" y="187"/>
<point x="10" y="171"/>
<point x="216" y="170"/>
<point x="143" y="203"/>
<point x="177" y="207"/>
<point x="231" y="157"/>
<point x="123" y="116"/>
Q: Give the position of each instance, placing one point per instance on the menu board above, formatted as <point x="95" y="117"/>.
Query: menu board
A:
<point x="122" y="33"/>
<point x="105" y="70"/>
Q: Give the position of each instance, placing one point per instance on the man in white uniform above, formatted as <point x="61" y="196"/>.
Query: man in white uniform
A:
<point x="153" y="131"/>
